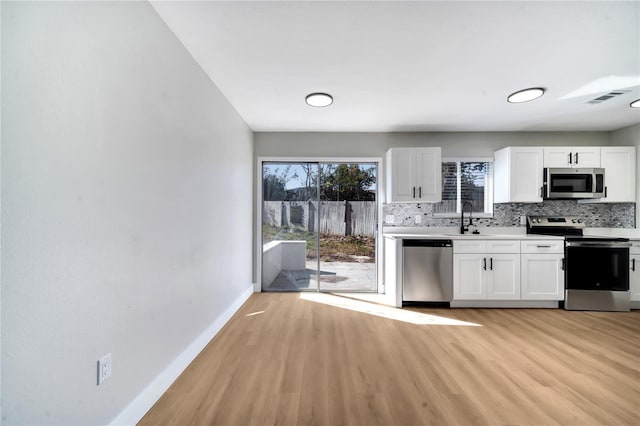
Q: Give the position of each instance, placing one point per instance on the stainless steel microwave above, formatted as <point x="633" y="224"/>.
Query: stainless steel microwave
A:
<point x="563" y="183"/>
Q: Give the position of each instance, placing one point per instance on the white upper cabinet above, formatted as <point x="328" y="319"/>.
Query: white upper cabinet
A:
<point x="572" y="156"/>
<point x="414" y="175"/>
<point x="619" y="164"/>
<point x="518" y="175"/>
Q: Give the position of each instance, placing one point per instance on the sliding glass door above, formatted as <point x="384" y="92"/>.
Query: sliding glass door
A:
<point x="319" y="226"/>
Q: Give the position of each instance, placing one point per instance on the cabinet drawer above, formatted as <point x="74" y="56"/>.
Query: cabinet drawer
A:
<point x="542" y="246"/>
<point x="635" y="247"/>
<point x="486" y="246"/>
<point x="469" y="246"/>
<point x="503" y="246"/>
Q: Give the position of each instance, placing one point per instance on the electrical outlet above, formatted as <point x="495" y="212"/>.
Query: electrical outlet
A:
<point x="389" y="218"/>
<point x="418" y="218"/>
<point x="104" y="368"/>
<point x="523" y="220"/>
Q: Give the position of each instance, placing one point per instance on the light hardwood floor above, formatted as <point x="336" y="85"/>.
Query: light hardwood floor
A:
<point x="286" y="360"/>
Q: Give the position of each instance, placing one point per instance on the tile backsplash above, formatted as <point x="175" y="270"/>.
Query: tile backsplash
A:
<point x="605" y="215"/>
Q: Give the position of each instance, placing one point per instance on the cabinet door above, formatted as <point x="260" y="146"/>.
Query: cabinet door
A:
<point x="542" y="277"/>
<point x="619" y="163"/>
<point x="504" y="277"/>
<point x="586" y="156"/>
<point x="557" y="156"/>
<point x="567" y="156"/>
<point x="469" y="277"/>
<point x="401" y="175"/>
<point x="518" y="175"/>
<point x="429" y="175"/>
<point x="634" y="277"/>
<point x="526" y="175"/>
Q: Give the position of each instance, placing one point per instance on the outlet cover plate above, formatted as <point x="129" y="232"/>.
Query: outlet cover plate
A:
<point x="104" y="368"/>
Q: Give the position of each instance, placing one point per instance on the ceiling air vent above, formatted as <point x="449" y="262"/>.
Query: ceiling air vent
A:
<point x="607" y="96"/>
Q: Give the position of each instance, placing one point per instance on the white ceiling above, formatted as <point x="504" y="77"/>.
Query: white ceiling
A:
<point x="417" y="66"/>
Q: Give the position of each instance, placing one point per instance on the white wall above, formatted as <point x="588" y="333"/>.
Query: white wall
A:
<point x="630" y="136"/>
<point x="118" y="154"/>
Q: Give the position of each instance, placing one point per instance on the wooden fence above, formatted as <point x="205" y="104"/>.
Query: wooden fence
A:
<point x="336" y="217"/>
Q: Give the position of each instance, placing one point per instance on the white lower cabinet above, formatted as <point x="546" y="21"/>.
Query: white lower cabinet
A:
<point x="469" y="277"/>
<point x="634" y="277"/>
<point x="504" y="277"/>
<point x="542" y="276"/>
<point x="510" y="270"/>
<point x="634" y="271"/>
<point x="480" y="274"/>
<point x="542" y="270"/>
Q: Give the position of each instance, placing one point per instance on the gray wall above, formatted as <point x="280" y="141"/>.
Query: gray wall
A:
<point x="630" y="136"/>
<point x="116" y="151"/>
<point x="376" y="144"/>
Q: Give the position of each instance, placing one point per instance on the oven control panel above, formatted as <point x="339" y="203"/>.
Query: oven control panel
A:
<point x="555" y="221"/>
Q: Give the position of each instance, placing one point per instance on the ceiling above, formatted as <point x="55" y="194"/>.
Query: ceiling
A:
<point x="417" y="66"/>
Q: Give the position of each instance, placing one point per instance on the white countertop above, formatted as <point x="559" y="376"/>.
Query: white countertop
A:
<point x="497" y="233"/>
<point x="453" y="233"/>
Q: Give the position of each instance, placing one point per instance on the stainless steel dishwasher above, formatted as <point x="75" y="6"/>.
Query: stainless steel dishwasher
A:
<point x="427" y="271"/>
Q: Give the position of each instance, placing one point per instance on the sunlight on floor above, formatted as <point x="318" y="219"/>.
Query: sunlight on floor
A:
<point x="418" y="318"/>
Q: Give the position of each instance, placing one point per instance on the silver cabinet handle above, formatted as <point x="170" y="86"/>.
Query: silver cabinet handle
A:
<point x="633" y="265"/>
<point x="420" y="192"/>
<point x="570" y="159"/>
<point x="484" y="263"/>
<point x="491" y="263"/>
<point x="543" y="246"/>
<point x="576" y="162"/>
<point x="562" y="265"/>
<point x="414" y="192"/>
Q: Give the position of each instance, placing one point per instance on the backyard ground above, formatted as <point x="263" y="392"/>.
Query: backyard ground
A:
<point x="333" y="248"/>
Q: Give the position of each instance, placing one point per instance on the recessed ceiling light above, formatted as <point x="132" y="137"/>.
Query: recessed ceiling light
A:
<point x="319" y="100"/>
<point x="635" y="104"/>
<point x="525" y="95"/>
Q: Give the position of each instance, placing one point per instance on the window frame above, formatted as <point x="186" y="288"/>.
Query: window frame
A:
<point x="488" y="199"/>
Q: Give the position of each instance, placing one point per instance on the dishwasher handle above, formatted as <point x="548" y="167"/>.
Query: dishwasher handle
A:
<point x="427" y="243"/>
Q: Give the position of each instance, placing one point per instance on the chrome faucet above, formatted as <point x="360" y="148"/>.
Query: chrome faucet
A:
<point x="464" y="228"/>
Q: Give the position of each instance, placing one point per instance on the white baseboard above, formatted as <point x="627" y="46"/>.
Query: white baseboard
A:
<point x="150" y="395"/>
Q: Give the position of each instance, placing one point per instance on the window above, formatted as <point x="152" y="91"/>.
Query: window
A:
<point x="466" y="182"/>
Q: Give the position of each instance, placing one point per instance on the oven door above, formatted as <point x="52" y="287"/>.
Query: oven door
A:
<point x="597" y="265"/>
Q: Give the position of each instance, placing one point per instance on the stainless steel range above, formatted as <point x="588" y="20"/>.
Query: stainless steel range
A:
<point x="596" y="268"/>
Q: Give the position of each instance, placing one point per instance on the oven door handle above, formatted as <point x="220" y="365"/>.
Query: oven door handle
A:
<point x="598" y="244"/>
